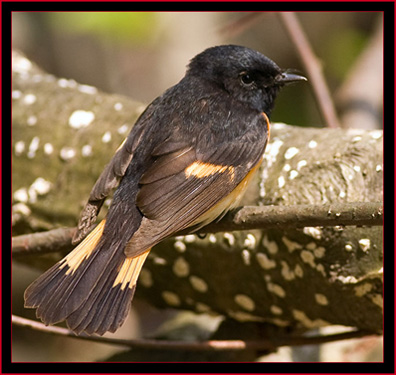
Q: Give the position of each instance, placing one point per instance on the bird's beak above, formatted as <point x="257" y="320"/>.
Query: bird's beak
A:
<point x="286" y="78"/>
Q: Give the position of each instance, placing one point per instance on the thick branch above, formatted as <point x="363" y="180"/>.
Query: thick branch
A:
<point x="289" y="276"/>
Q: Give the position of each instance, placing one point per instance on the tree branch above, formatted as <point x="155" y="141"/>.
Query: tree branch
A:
<point x="207" y="345"/>
<point x="239" y="25"/>
<point x="43" y="242"/>
<point x="245" y="218"/>
<point x="284" y="274"/>
<point x="299" y="216"/>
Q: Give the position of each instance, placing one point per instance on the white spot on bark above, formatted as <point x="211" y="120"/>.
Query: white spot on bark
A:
<point x="171" y="298"/>
<point x="86" y="89"/>
<point x="67" y="153"/>
<point x="180" y="246"/>
<point x="86" y="150"/>
<point x="363" y="289"/>
<point x="286" y="272"/>
<point x="291" y="152"/>
<point x="118" y="106"/>
<point x="198" y="284"/>
<point x="321" y="299"/>
<point x="41" y="186"/>
<point x="276" y="310"/>
<point x="364" y="244"/>
<point x="265" y="262"/>
<point x="245" y="302"/>
<point x="276" y="289"/>
<point x="376" y="134"/>
<point x="21" y="195"/>
<point x="16" y="94"/>
<point x="307" y="322"/>
<point x="250" y="241"/>
<point x="48" y="149"/>
<point x="33" y="147"/>
<point x="122" y="129"/>
<point x="81" y="119"/>
<point x="271" y="246"/>
<point x="246" y="257"/>
<point x="312" y="144"/>
<point x="29" y="99"/>
<point x="230" y="238"/>
<point x="31" y="121"/>
<point x="308" y="257"/>
<point x="301" y="163"/>
<point x="181" y="267"/>
<point x="291" y="245"/>
<point x="212" y="238"/>
<point x="21" y="208"/>
<point x="19" y="147"/>
<point x="106" y="138"/>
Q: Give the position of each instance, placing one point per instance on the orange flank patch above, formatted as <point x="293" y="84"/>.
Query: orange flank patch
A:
<point x="130" y="270"/>
<point x="83" y="250"/>
<point x="268" y="124"/>
<point x="229" y="202"/>
<point x="201" y="169"/>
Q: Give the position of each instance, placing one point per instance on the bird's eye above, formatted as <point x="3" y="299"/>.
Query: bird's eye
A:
<point x="246" y="78"/>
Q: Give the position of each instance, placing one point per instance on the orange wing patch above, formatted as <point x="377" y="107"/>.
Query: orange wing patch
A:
<point x="201" y="169"/>
<point x="229" y="202"/>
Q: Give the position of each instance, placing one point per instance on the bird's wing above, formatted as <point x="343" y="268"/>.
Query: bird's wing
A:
<point x="189" y="187"/>
<point x="110" y="177"/>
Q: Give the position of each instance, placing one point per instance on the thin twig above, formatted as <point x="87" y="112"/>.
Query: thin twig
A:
<point x="245" y="218"/>
<point x="239" y="25"/>
<point x="208" y="345"/>
<point x="299" y="216"/>
<point x="313" y="67"/>
<point x="43" y="242"/>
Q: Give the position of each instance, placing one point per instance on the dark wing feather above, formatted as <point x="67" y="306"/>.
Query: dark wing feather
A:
<point x="172" y="199"/>
<point x="168" y="165"/>
<point x="109" y="179"/>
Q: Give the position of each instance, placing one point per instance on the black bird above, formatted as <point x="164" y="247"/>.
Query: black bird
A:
<point x="186" y="162"/>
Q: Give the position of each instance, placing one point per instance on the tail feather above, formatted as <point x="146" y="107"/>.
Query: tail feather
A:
<point x="91" y="288"/>
<point x="97" y="299"/>
<point x="60" y="290"/>
<point x="109" y="315"/>
<point x="111" y="299"/>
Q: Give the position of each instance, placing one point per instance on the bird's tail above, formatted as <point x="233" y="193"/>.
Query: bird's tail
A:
<point x="91" y="288"/>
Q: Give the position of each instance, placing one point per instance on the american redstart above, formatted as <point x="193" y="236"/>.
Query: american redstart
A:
<point x="186" y="162"/>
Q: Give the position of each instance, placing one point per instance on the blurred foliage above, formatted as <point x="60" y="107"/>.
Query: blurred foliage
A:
<point x="340" y="50"/>
<point x="117" y="26"/>
<point x="140" y="54"/>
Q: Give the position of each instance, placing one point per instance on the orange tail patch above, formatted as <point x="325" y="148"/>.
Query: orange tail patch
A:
<point x="83" y="250"/>
<point x="130" y="270"/>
